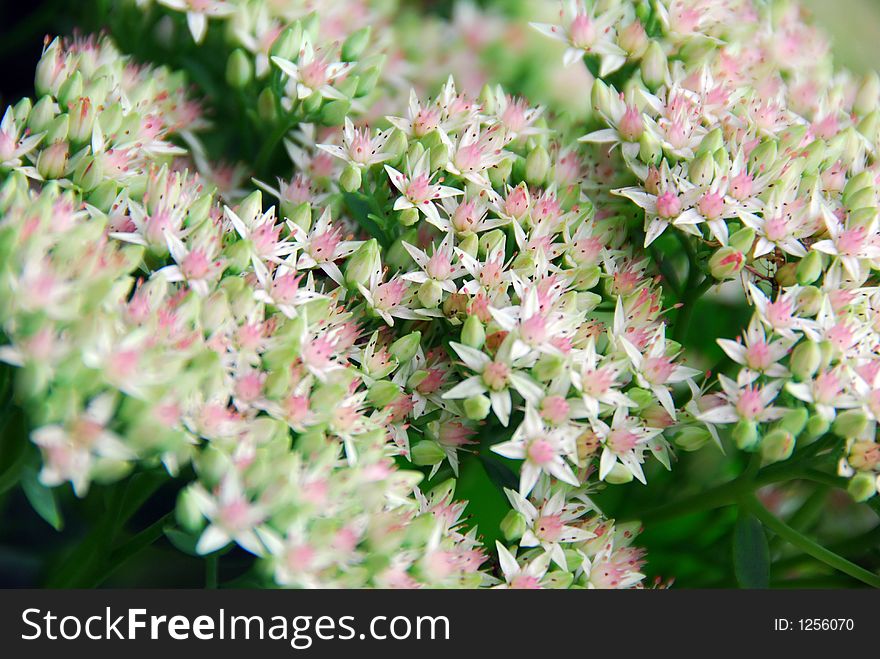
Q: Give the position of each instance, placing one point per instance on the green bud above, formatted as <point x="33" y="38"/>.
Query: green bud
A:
<point x="805" y="359"/>
<point x="88" y="174"/>
<point x="869" y="125"/>
<point x="863" y="486"/>
<point x="777" y="445"/>
<point x="586" y="278"/>
<point x="82" y="119"/>
<point x="643" y="398"/>
<point x="600" y="98"/>
<point x="712" y="142"/>
<point x="333" y="112"/>
<point x="810" y="268"/>
<point x="288" y="43"/>
<point x="654" y="67"/>
<point x="548" y="367"/>
<point x="490" y="241"/>
<point x="650" y="149"/>
<point x="701" y="170"/>
<point x="187" y="512"/>
<point x="809" y="301"/>
<point x="868" y="95"/>
<point x="277" y="383"/>
<point x="397" y="143"/>
<point x="864" y="198"/>
<point x="355" y="44"/>
<point x="786" y="275"/>
<point x="363" y="263"/>
<point x="763" y="157"/>
<point x="470" y="244"/>
<point x="726" y="263"/>
<point x="513" y="525"/>
<point x="350" y="180"/>
<point x="405" y="348"/>
<point x="817" y="426"/>
<point x="473" y="333"/>
<point x="427" y="453"/>
<point x="70" y="90"/>
<point x="850" y="423"/>
<point x="692" y="438"/>
<point x="439" y="156"/>
<point x="794" y="421"/>
<point x="382" y="393"/>
<point x="743" y="240"/>
<point x="103" y="196"/>
<point x="239" y="69"/>
<point x="430" y="294"/>
<point x="476" y="408"/>
<point x="537" y="166"/>
<point x="52" y="161"/>
<point x="408" y="217"/>
<point x="814" y="156"/>
<point x="42" y="114"/>
<point x="745" y="434"/>
<point x="57" y="129"/>
<point x="369" y="78"/>
<point x="619" y="475"/>
<point x="267" y="108"/>
<point x="302" y="216"/>
<point x="500" y="173"/>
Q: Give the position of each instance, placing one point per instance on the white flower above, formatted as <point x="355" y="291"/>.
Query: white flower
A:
<point x="416" y="188"/>
<point x="198" y="12"/>
<point x="588" y="34"/>
<point x="358" y="147"/>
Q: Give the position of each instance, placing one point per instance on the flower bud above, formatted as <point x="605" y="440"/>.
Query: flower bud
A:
<point x="88" y="174"/>
<point x="288" y="43"/>
<point x="763" y="157"/>
<point x="692" y="438"/>
<point x="786" y="275"/>
<point x="350" y="180"/>
<point x="868" y="95"/>
<point x="267" y="108"/>
<point x="363" y="263"/>
<point x="57" y="129"/>
<point x="586" y="278"/>
<point x="618" y="475"/>
<point x="809" y="301"/>
<point x="42" y="114"/>
<point x="370" y="77"/>
<point x="726" y="263"/>
<point x="408" y="217"/>
<point x="537" y="166"/>
<point x="712" y="142"/>
<point x="817" y="426"/>
<point x="870" y="126"/>
<point x="794" y="421"/>
<point x="745" y="434"/>
<point x="70" y="90"/>
<point x="187" y="513"/>
<point x="490" y="241"/>
<point x="548" y="367"/>
<point x="405" y="348"/>
<point x="650" y="149"/>
<point x="777" y="445"/>
<point x="513" y="526"/>
<point x="809" y="269"/>
<point x="863" y="486"/>
<point x="397" y="144"/>
<point x="633" y="39"/>
<point x="355" y="44"/>
<point x="470" y="244"/>
<point x="742" y="240"/>
<point x="850" y="423"/>
<point x="500" y="173"/>
<point x="430" y="294"/>
<point x="473" y="333"/>
<point x="701" y="170"/>
<point x="103" y="196"/>
<point x="643" y="398"/>
<point x="476" y="408"/>
<point x="600" y="97"/>
<point x="427" y="453"/>
<point x="382" y="393"/>
<point x="805" y="359"/>
<point x="654" y="66"/>
<point x="52" y="161"/>
<point x="239" y="69"/>
<point x="333" y="113"/>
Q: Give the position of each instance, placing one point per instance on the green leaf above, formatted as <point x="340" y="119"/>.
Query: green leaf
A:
<point x="751" y="553"/>
<point x="41" y="498"/>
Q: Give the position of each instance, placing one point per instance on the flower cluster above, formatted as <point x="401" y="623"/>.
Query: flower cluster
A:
<point x="761" y="158"/>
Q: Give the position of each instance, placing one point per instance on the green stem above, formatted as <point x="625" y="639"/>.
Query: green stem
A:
<point x="212" y="565"/>
<point x="807" y="545"/>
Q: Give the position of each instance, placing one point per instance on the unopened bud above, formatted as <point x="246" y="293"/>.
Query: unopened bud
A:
<point x="476" y="408"/>
<point x="868" y="96"/>
<point x="763" y="157"/>
<point x="809" y="269"/>
<point x="288" y="43"/>
<point x="863" y="485"/>
<point x="52" y="161"/>
<point x="777" y="445"/>
<point x="405" y="348"/>
<point x="355" y="44"/>
<point x="239" y="69"/>
<point x="362" y="264"/>
<point x="88" y="174"/>
<point x="794" y="421"/>
<point x="427" y="453"/>
<point x="382" y="393"/>
<point x="726" y="263"/>
<point x="350" y="180"/>
<point x="745" y="434"/>
<point x="473" y="333"/>
<point x="408" y="217"/>
<point x="742" y="240"/>
<point x="187" y="513"/>
<point x="692" y="438"/>
<point x="537" y="166"/>
<point x="805" y="359"/>
<point x="850" y="423"/>
<point x="618" y="475"/>
<point x="809" y="301"/>
<point x="267" y="108"/>
<point x="513" y="525"/>
<point x="654" y="66"/>
<point x="650" y="149"/>
<point x="70" y="90"/>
